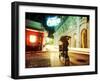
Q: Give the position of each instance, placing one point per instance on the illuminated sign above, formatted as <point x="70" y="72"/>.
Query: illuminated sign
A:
<point x="53" y="21"/>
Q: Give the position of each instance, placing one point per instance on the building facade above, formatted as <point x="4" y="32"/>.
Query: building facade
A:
<point x="77" y="27"/>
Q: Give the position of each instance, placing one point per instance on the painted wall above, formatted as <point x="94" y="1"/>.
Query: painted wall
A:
<point x="34" y="37"/>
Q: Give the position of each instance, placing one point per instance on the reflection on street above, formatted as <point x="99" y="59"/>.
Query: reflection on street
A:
<point x="50" y="57"/>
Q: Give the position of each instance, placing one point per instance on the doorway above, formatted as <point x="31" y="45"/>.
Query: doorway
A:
<point x="84" y="38"/>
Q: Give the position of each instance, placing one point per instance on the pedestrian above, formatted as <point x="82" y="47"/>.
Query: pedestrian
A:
<point x="65" y="44"/>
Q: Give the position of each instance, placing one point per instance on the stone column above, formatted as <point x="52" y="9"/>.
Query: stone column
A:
<point x="78" y="32"/>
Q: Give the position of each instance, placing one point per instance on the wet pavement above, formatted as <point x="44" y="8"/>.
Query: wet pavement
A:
<point x="51" y="59"/>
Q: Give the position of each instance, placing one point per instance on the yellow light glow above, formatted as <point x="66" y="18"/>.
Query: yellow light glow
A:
<point x="32" y="38"/>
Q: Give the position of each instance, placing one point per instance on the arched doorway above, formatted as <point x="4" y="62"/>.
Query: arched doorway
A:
<point x="84" y="38"/>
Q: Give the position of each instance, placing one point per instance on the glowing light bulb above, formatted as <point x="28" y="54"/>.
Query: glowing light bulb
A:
<point x="32" y="38"/>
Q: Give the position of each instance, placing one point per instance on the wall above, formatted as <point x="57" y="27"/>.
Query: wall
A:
<point x="5" y="40"/>
<point x="73" y="27"/>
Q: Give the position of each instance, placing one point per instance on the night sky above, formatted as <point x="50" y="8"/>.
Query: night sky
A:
<point x="42" y="18"/>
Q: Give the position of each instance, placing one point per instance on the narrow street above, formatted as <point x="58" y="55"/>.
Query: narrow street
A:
<point x="42" y="59"/>
<point x="51" y="59"/>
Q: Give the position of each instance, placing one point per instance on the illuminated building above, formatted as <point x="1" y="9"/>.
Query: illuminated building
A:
<point x="78" y="28"/>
